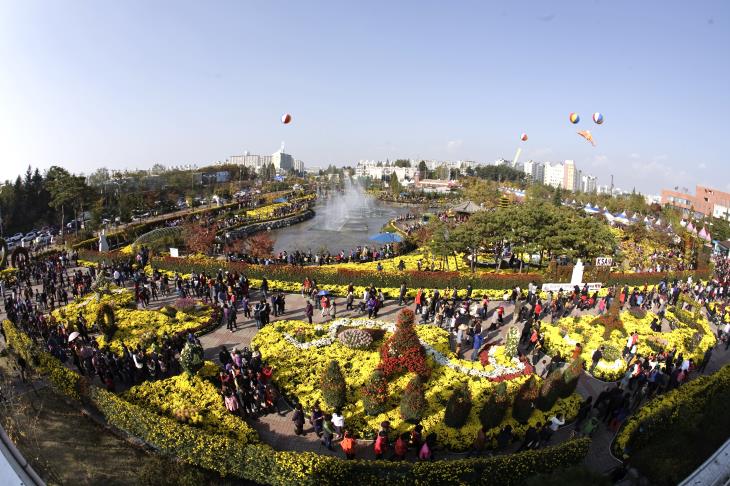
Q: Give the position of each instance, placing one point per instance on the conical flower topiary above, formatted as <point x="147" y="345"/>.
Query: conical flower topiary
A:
<point x="570" y="378"/>
<point x="375" y="393"/>
<point x="403" y="350"/>
<point x="458" y="407"/>
<point x="333" y="386"/>
<point x="495" y="407"/>
<point x="413" y="404"/>
<point x="526" y="395"/>
<point x="550" y="390"/>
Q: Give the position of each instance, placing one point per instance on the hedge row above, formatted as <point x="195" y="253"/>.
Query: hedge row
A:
<point x="683" y="406"/>
<point x="262" y="464"/>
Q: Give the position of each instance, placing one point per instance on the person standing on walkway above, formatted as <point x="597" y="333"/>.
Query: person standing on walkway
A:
<point x="597" y="356"/>
<point x="309" y="311"/>
<point x="402" y="294"/>
<point x="348" y="445"/>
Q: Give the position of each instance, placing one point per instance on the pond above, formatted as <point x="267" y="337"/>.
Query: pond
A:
<point x="341" y="222"/>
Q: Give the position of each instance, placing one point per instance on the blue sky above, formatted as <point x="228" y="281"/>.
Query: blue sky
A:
<point x="85" y="84"/>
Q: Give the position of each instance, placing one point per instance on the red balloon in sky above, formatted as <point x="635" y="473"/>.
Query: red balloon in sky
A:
<point x="286" y="118"/>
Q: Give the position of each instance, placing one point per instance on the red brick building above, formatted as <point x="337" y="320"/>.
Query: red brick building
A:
<point x="706" y="201"/>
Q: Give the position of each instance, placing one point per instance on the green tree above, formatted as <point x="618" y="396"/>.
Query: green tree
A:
<point x="402" y="163"/>
<point x="558" y="197"/>
<point x="422" y="169"/>
<point x="333" y="386"/>
<point x="395" y="185"/>
<point x="63" y="188"/>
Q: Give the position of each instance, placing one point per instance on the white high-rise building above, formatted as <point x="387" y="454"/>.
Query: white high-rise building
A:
<point x="535" y="171"/>
<point x="282" y="161"/>
<point x="588" y="183"/>
<point x="554" y="174"/>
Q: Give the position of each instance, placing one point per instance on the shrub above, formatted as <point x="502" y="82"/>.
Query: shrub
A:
<point x="375" y="393"/>
<point x="550" y="390"/>
<point x="671" y="435"/>
<point x="355" y="338"/>
<point x="414" y="403"/>
<point x="570" y="378"/>
<point x="185" y="304"/>
<point x="458" y="407"/>
<point x="191" y="358"/>
<point x="523" y="405"/>
<point x="333" y="386"/>
<point x="495" y="407"/>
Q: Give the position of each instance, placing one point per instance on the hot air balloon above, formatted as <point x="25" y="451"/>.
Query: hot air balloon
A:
<point x="598" y="118"/>
<point x="286" y="118"/>
<point x="574" y="118"/>
<point x="523" y="137"/>
<point x="587" y="135"/>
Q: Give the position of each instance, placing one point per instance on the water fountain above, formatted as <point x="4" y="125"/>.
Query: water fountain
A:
<point x="342" y="221"/>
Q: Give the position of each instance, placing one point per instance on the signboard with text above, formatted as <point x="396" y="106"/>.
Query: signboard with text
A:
<point x="566" y="287"/>
<point x="604" y="261"/>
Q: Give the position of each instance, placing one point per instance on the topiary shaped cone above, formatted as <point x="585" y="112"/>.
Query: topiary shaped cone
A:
<point x="333" y="386"/>
<point x="413" y="404"/>
<point x="458" y="407"/>
<point x="495" y="407"/>
<point x="570" y="378"/>
<point x="523" y="404"/>
<point x="550" y="390"/>
<point x="375" y="393"/>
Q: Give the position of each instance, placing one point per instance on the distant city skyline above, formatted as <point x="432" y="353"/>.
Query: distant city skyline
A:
<point x="130" y="84"/>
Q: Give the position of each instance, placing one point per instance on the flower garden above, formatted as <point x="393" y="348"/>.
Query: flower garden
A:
<point x="691" y="336"/>
<point x="421" y="381"/>
<point x="132" y="326"/>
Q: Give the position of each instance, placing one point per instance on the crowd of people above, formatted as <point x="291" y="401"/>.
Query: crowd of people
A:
<point x="246" y="383"/>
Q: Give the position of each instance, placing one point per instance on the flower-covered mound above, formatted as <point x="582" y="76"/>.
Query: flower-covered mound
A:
<point x="191" y="400"/>
<point x="134" y="326"/>
<point x="690" y="340"/>
<point x="299" y="367"/>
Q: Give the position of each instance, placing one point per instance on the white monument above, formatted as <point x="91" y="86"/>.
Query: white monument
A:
<point x="577" y="277"/>
<point x="103" y="243"/>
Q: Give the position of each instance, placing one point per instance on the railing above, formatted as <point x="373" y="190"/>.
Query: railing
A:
<point x="715" y="471"/>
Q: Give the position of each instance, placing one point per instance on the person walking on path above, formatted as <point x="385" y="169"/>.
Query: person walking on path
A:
<point x="298" y="419"/>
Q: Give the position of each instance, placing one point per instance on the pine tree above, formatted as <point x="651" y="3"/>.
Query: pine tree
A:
<point x="523" y="404"/>
<point x="495" y="407"/>
<point x="333" y="386"/>
<point x="458" y="407"/>
<point x="558" y="197"/>
<point x="413" y="404"/>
